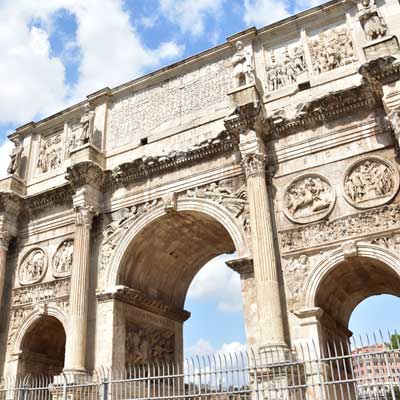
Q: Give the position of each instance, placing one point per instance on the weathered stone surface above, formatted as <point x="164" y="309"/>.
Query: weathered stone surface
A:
<point x="280" y="144"/>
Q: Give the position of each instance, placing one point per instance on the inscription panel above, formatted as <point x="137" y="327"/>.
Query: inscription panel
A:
<point x="147" y="109"/>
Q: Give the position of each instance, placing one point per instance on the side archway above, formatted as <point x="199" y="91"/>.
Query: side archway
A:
<point x="40" y="343"/>
<point x="340" y="282"/>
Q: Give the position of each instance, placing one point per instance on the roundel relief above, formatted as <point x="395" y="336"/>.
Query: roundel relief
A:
<point x="308" y="198"/>
<point x="33" y="267"/>
<point x="62" y="261"/>
<point x="370" y="182"/>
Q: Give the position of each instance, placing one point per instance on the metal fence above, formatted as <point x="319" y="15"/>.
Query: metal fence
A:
<point x="362" y="368"/>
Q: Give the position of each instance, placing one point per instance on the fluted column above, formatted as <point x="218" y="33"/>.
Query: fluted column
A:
<point x="264" y="257"/>
<point x="4" y="241"/>
<point x="78" y="300"/>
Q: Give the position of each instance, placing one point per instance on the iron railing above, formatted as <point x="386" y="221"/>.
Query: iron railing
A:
<point x="362" y="368"/>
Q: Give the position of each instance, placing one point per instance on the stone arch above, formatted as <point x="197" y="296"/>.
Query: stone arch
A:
<point x="184" y="204"/>
<point x="32" y="318"/>
<point x="368" y="261"/>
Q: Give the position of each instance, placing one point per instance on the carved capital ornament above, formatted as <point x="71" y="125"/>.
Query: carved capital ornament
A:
<point x="254" y="164"/>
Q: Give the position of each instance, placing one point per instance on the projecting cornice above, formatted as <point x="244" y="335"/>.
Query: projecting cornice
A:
<point x="383" y="70"/>
<point x="85" y="173"/>
<point x="136" y="298"/>
<point x="326" y="108"/>
<point x="49" y="198"/>
<point x="146" y="167"/>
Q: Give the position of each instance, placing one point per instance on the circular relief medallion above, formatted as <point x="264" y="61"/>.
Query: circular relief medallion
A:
<point x="370" y="182"/>
<point x="308" y="198"/>
<point x="62" y="261"/>
<point x="33" y="267"/>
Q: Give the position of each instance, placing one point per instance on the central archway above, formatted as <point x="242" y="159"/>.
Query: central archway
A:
<point x="155" y="264"/>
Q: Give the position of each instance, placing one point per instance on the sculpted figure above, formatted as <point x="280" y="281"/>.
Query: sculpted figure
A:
<point x="299" y="59"/>
<point x="86" y="126"/>
<point x="371" y="21"/>
<point x="242" y="63"/>
<point x="15" y="163"/>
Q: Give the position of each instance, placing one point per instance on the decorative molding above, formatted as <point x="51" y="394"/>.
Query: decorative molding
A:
<point x="136" y="298"/>
<point x="370" y="182"/>
<point x="349" y="249"/>
<point x="146" y="167"/>
<point x="170" y="202"/>
<point x="383" y="70"/>
<point x="308" y="198"/>
<point x="243" y="266"/>
<point x="362" y="225"/>
<point x="32" y="267"/>
<point x="50" y="198"/>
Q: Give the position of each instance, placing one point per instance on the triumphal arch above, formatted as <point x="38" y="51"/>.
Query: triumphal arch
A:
<point x="280" y="145"/>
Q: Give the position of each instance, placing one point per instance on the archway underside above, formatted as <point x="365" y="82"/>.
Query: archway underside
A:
<point x="166" y="255"/>
<point x="352" y="281"/>
<point x="43" y="348"/>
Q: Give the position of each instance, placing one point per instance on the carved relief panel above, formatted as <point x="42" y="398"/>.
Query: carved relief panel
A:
<point x="370" y="182"/>
<point x="50" y="154"/>
<point x="331" y="49"/>
<point x="62" y="261"/>
<point x="144" y="345"/>
<point x="33" y="267"/>
<point x="308" y="198"/>
<point x="285" y="66"/>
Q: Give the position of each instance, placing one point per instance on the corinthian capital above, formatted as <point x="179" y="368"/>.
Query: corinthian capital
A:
<point x="84" y="215"/>
<point x="254" y="164"/>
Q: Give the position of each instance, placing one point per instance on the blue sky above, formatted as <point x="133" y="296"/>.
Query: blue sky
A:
<point x="55" y="53"/>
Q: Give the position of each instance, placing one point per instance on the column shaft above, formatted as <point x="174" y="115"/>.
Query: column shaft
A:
<point x="3" y="257"/>
<point x="265" y="265"/>
<point x="78" y="300"/>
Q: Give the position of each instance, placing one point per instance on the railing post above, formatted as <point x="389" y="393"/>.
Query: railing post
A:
<point x="104" y="390"/>
<point x="25" y="391"/>
<point x="65" y="383"/>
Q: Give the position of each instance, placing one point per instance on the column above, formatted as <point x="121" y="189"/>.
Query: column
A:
<point x="264" y="257"/>
<point x="78" y="300"/>
<point x="4" y="241"/>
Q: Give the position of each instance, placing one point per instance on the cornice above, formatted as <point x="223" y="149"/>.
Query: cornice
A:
<point x="326" y="108"/>
<point x="146" y="167"/>
<point x="49" y="198"/>
<point x="85" y="173"/>
<point x="243" y="266"/>
<point x="383" y="70"/>
<point x="136" y="298"/>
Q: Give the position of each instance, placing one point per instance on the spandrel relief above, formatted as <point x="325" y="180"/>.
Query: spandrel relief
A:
<point x="332" y="49"/>
<point x="370" y="182"/>
<point x="33" y="267"/>
<point x="308" y="198"/>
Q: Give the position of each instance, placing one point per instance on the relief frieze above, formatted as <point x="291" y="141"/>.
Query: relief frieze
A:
<point x="296" y="270"/>
<point x="322" y="233"/>
<point x="40" y="292"/>
<point x="50" y="154"/>
<point x="332" y="49"/>
<point x="143" y="345"/>
<point x="370" y="182"/>
<point x="308" y="198"/>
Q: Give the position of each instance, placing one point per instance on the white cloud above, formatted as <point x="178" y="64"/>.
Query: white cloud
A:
<point x="264" y="12"/>
<point x="204" y="347"/>
<point x="5" y="150"/>
<point x="33" y="80"/>
<point x="191" y="15"/>
<point x="217" y="282"/>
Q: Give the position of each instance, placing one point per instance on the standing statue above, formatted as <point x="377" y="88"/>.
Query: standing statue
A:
<point x="15" y="163"/>
<point x="371" y="20"/>
<point x="242" y="63"/>
<point x="86" y="126"/>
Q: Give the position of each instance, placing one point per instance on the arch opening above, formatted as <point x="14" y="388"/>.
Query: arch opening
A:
<point x="43" y="348"/>
<point x="160" y="263"/>
<point x="346" y="285"/>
